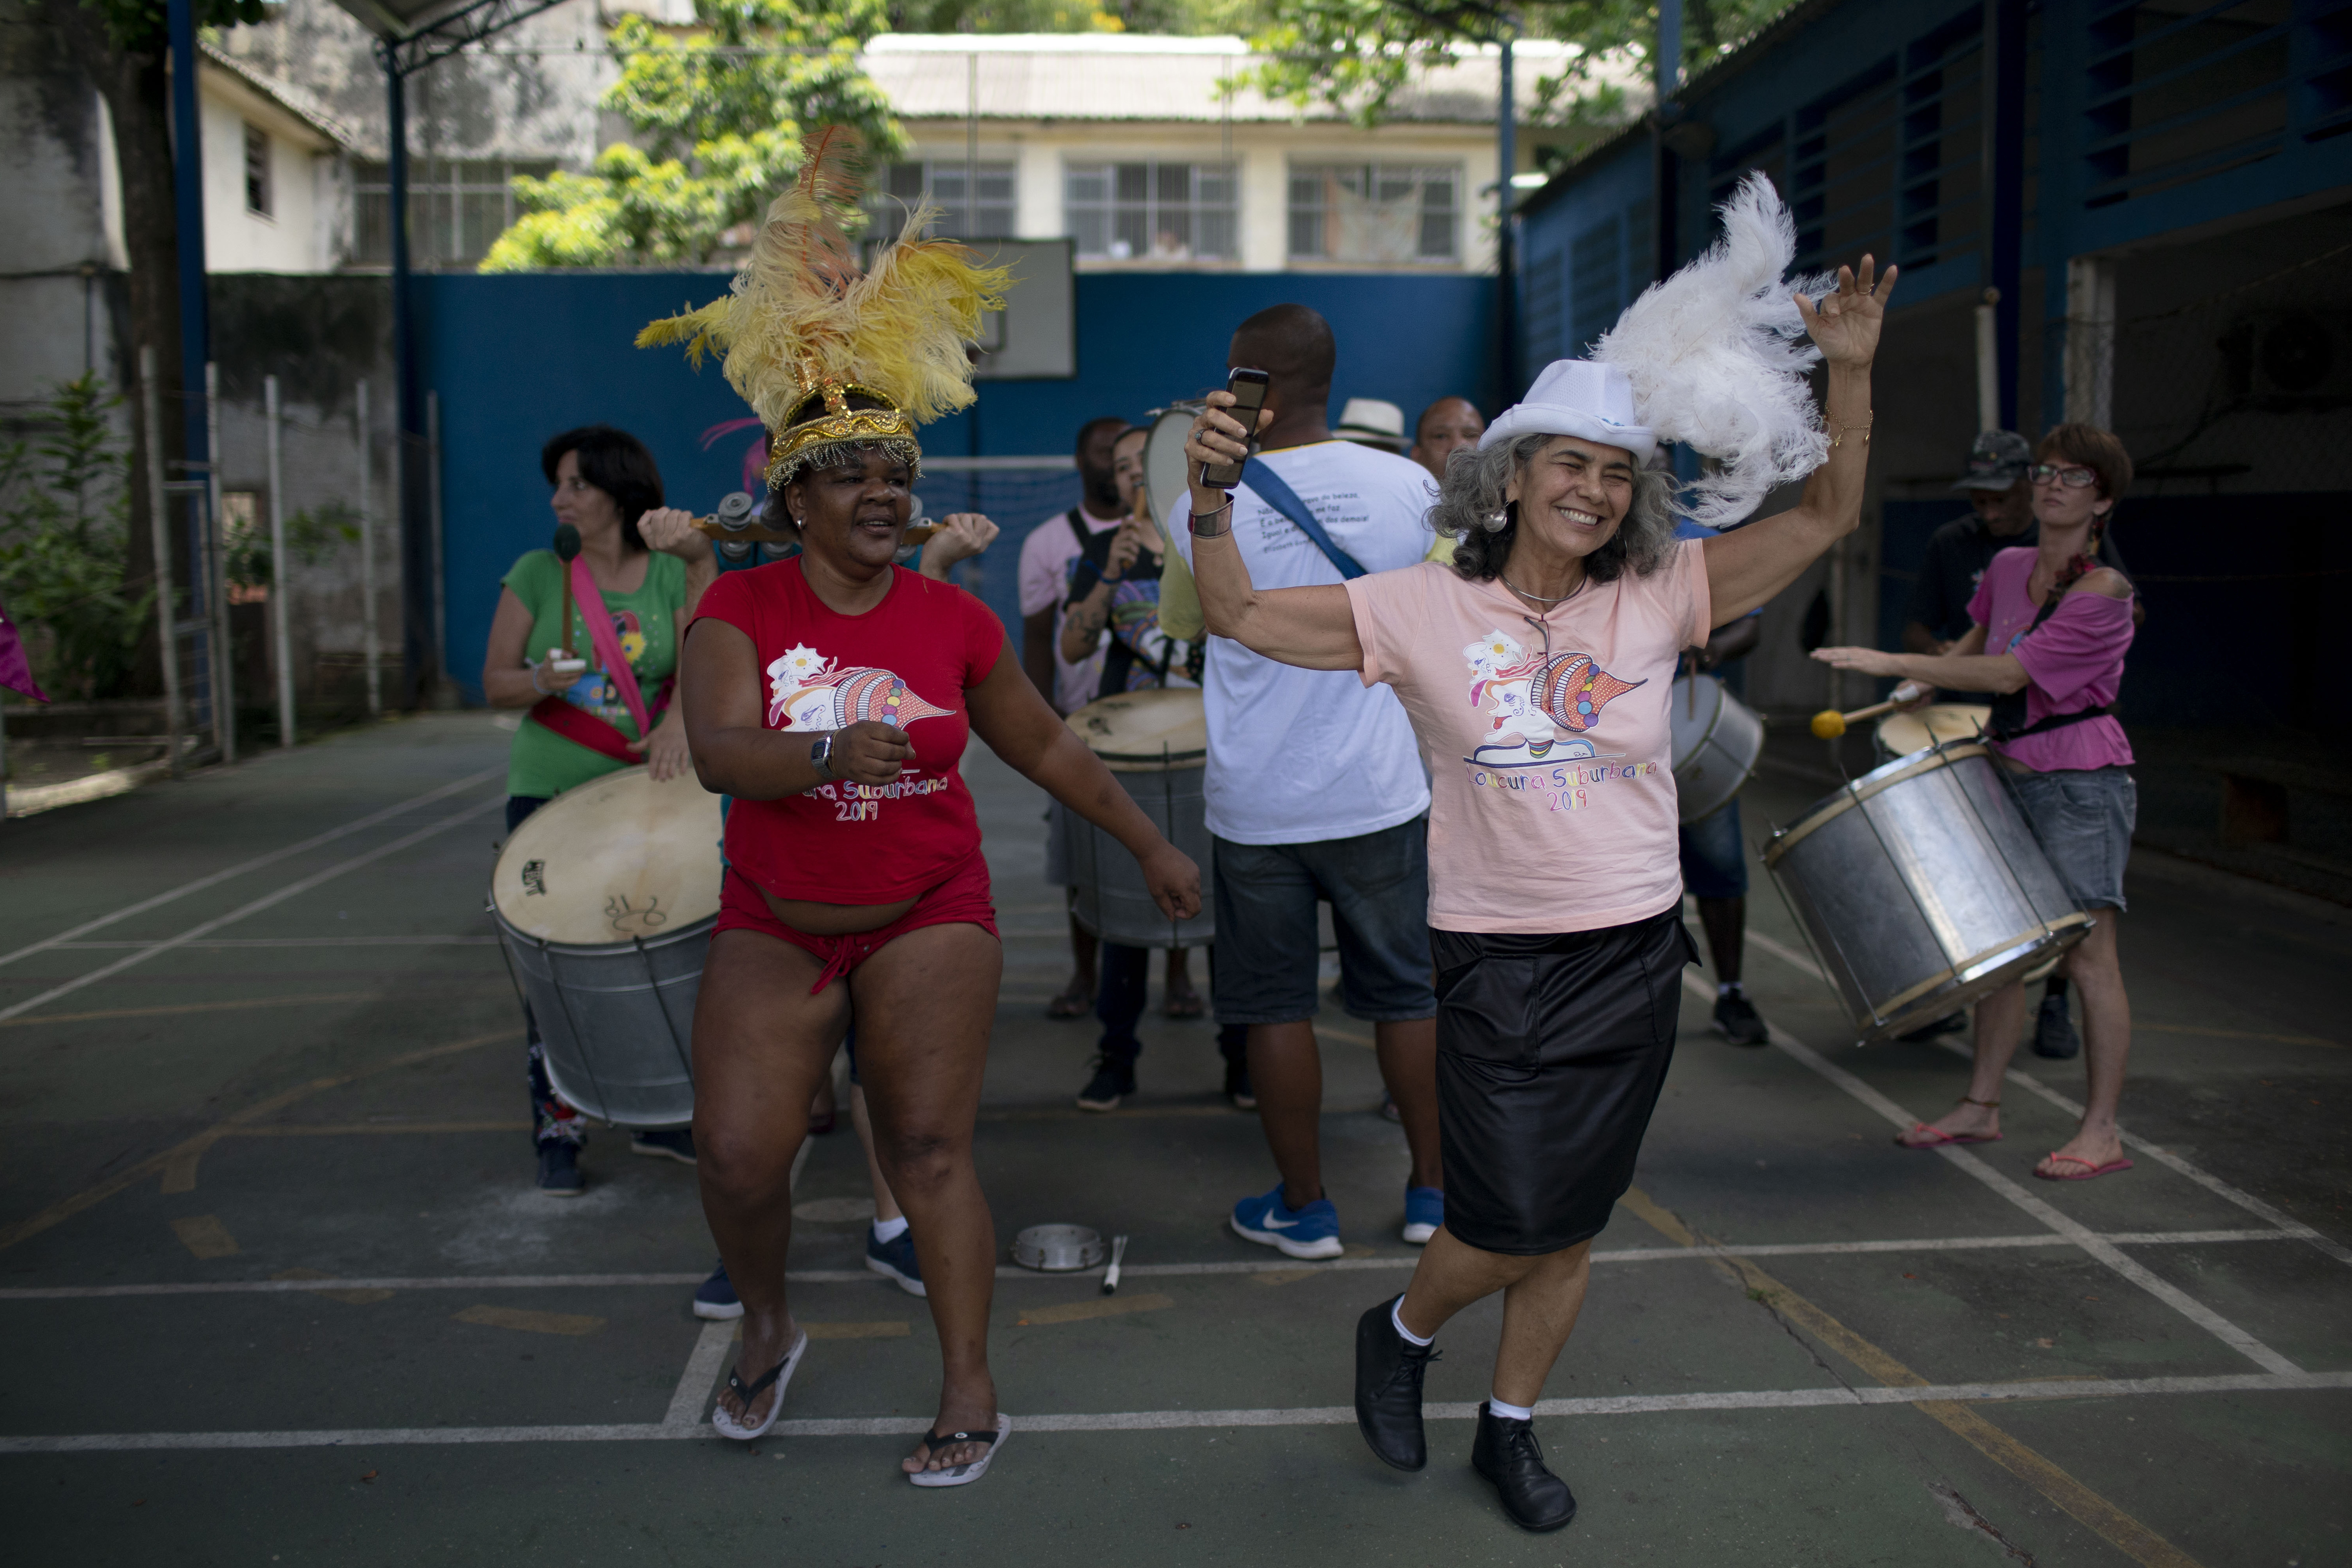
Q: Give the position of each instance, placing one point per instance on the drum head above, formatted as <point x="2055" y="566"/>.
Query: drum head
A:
<point x="1164" y="477"/>
<point x="618" y="859"/>
<point x="1901" y="734"/>
<point x="1145" y="732"/>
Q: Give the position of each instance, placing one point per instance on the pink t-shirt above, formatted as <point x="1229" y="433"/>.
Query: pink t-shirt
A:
<point x="2075" y="660"/>
<point x="1551" y="776"/>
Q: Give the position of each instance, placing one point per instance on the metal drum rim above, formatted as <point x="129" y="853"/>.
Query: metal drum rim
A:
<point x="2020" y="952"/>
<point x="599" y="949"/>
<point x="1883" y="776"/>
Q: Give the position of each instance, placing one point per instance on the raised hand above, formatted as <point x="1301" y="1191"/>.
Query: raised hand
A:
<point x="671" y="531"/>
<point x="1845" y="325"/>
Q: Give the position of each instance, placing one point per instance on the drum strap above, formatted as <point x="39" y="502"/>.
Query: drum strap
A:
<point x="580" y="725"/>
<point x="2006" y="721"/>
<point x="1270" y="490"/>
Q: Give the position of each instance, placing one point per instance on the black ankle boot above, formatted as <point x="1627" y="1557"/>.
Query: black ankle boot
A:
<point x="1389" y="1369"/>
<point x="1507" y="1454"/>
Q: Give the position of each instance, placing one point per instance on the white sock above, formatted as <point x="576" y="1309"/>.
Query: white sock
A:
<point x="889" y="1230"/>
<point x="1730" y="988"/>
<point x="1396" y="1316"/>
<point x="1508" y="1411"/>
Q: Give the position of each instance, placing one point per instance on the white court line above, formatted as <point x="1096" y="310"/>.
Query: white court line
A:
<point x="2132" y="1140"/>
<point x="1835" y="1397"/>
<point x="290" y="890"/>
<point x="2082" y="1235"/>
<point x="240" y="943"/>
<point x="1131" y="1270"/>
<point x="216" y="878"/>
<point x="689" y="1403"/>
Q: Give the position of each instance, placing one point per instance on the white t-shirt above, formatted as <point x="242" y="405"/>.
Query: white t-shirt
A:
<point x="1298" y="757"/>
<point x="1045" y="556"/>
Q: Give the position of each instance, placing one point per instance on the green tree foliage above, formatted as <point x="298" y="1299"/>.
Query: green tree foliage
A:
<point x="64" y="518"/>
<point x="142" y="25"/>
<point x="1354" y="55"/>
<point x="720" y="113"/>
<point x="313" y="534"/>
<point x="1172" y="17"/>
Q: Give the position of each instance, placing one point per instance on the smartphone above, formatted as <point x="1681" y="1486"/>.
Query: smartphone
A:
<point x="1248" y="388"/>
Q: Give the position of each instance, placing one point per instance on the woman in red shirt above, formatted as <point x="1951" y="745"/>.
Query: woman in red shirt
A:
<point x="830" y="695"/>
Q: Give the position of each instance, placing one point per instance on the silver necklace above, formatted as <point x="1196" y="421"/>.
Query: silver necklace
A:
<point x="1538" y="598"/>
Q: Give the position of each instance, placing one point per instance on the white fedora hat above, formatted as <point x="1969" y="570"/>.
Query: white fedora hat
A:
<point x="1582" y="398"/>
<point x="1373" y="422"/>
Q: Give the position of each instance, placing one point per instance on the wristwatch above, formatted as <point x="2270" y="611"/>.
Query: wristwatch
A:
<point x="821" y="757"/>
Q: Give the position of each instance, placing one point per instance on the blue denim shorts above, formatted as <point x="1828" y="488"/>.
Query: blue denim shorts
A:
<point x="1715" y="863"/>
<point x="1378" y="887"/>
<point x="2084" y="818"/>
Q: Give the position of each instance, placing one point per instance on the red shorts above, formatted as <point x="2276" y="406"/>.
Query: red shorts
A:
<point x="960" y="898"/>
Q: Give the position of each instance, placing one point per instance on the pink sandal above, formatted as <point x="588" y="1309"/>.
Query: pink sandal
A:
<point x="1937" y="1137"/>
<point x="2085" y="1174"/>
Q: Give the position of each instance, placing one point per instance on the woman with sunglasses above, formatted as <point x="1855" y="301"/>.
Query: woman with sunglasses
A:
<point x="2051" y="629"/>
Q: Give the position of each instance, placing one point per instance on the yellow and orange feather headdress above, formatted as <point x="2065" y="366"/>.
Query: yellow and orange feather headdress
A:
<point x="803" y="329"/>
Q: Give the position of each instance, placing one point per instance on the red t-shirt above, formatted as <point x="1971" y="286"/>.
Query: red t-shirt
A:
<point x="908" y="662"/>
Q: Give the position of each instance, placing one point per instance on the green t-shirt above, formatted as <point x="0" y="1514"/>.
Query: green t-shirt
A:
<point x="544" y="763"/>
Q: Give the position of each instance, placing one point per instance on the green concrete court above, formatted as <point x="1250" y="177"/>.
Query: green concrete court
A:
<point x="276" y="1287"/>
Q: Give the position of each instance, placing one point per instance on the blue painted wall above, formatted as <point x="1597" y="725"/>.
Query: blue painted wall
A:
<point x="517" y="359"/>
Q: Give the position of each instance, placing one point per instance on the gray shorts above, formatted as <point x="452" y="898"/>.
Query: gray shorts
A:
<point x="1059" y="826"/>
<point x="1268" y="940"/>
<point x="2084" y="818"/>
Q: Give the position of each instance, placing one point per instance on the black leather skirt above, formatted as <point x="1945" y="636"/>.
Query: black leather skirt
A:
<point x="1551" y="1054"/>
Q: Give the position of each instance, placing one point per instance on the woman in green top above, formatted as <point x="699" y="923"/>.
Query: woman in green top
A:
<point x="650" y="566"/>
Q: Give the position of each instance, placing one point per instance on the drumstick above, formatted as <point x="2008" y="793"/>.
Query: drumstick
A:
<point x="1829" y="723"/>
<point x="567" y="550"/>
<point x="1110" y="1275"/>
<point x="760" y="533"/>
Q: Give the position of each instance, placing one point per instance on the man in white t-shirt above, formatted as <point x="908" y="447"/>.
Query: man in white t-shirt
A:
<point x="1045" y="557"/>
<point x="1315" y="793"/>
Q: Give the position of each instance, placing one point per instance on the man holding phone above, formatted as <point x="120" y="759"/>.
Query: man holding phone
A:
<point x="1315" y="791"/>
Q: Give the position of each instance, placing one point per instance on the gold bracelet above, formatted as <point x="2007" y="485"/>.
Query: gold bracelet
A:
<point x="1862" y="426"/>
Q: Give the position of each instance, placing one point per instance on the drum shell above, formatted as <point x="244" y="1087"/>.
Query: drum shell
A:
<point x="616" y="1020"/>
<point x="1717" y="739"/>
<point x="1922" y="888"/>
<point x="1111" y="899"/>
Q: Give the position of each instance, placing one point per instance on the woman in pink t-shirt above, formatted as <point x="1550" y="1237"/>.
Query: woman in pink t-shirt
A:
<point x="1536" y="668"/>
<point x="2051" y="629"/>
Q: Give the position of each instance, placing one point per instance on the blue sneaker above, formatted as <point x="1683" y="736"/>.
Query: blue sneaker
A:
<point x="714" y="1299"/>
<point x="895" y="1259"/>
<point x="1424" y="1211"/>
<point x="1309" y="1232"/>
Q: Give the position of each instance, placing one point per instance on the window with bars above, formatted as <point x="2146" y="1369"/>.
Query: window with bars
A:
<point x="258" y="198"/>
<point x="1389" y="214"/>
<point x="1545" y="290"/>
<point x="1151" y="211"/>
<point x="2182" y="92"/>
<point x="975" y="200"/>
<point x="457" y="208"/>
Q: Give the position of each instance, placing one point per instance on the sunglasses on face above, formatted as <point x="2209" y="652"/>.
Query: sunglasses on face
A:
<point x="2073" y="478"/>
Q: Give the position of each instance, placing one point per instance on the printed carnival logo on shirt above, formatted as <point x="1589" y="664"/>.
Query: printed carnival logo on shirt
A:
<point x="807" y="691"/>
<point x="1541" y="709"/>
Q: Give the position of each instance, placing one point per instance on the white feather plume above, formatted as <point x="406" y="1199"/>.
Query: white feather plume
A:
<point x="1717" y="356"/>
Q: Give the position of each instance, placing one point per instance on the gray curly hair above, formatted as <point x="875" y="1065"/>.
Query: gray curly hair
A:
<point x="1470" y="502"/>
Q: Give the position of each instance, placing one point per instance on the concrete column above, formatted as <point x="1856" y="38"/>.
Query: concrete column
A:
<point x="2091" y="341"/>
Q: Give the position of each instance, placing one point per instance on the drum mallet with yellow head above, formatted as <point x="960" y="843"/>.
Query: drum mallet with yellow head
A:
<point x="1829" y="723"/>
<point x="567" y="550"/>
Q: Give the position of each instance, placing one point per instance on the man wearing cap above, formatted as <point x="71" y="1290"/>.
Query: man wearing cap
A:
<point x="1958" y="553"/>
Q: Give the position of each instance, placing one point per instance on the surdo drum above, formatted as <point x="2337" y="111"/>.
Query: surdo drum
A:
<point x="1922" y="888"/>
<point x="604" y="900"/>
<point x="1901" y="734"/>
<point x="1717" y="740"/>
<point x="1156" y="743"/>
